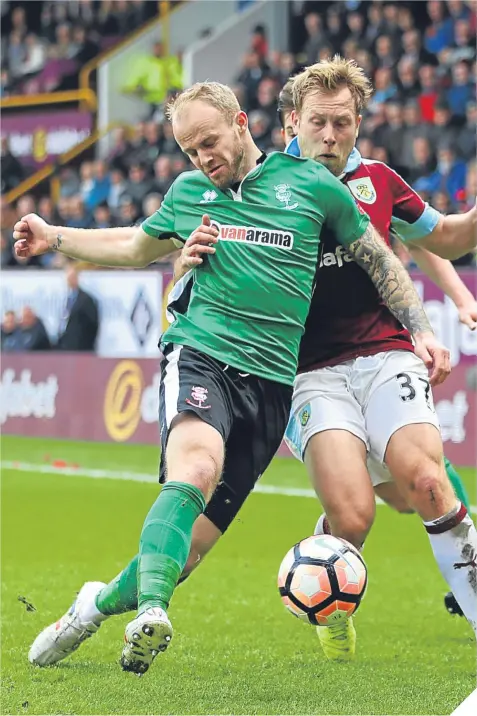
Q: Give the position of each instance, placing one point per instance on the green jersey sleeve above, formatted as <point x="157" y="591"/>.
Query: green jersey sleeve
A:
<point x="344" y="216"/>
<point x="161" y="225"/>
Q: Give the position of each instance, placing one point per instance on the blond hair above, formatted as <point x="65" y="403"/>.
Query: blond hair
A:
<point x="214" y="93"/>
<point x="331" y="75"/>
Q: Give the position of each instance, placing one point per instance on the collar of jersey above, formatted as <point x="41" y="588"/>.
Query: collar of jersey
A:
<point x="237" y="195"/>
<point x="354" y="159"/>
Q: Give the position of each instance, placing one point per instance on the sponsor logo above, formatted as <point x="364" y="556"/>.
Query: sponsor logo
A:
<point x="304" y="415"/>
<point x="208" y="196"/>
<point x="122" y="400"/>
<point x="338" y="257"/>
<point x="451" y="413"/>
<point x="23" y="398"/>
<point x="198" y="394"/>
<point x="283" y="195"/>
<point x="253" y="235"/>
<point x="363" y="189"/>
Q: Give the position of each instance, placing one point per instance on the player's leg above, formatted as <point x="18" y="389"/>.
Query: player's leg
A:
<point x="196" y="417"/>
<point x="456" y="482"/>
<point x="404" y="432"/>
<point x="385" y="488"/>
<point x="327" y="425"/>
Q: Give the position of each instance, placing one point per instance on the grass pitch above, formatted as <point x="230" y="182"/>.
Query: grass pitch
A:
<point x="235" y="649"/>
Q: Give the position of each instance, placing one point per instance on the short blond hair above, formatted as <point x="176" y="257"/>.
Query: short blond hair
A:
<point x="214" y="93"/>
<point x="332" y="75"/>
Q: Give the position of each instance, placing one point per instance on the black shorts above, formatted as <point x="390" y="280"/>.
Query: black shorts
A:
<point x="250" y="413"/>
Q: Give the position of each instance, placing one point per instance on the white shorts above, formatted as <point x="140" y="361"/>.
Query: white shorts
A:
<point x="370" y="397"/>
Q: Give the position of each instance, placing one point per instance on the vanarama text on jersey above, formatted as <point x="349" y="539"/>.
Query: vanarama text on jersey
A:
<point x="253" y="235"/>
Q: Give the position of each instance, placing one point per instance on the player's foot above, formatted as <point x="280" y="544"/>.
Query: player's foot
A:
<point x="147" y="635"/>
<point x="338" y="641"/>
<point x="452" y="605"/>
<point x="62" y="638"/>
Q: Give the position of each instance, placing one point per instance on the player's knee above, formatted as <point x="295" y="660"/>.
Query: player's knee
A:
<point x="428" y="485"/>
<point x="202" y="470"/>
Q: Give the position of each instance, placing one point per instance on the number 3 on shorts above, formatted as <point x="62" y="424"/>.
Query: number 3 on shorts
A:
<point x="408" y="392"/>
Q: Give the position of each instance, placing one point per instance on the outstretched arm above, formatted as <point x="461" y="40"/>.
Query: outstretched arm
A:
<point x="444" y="275"/>
<point x="454" y="236"/>
<point x="395" y="287"/>
<point x="125" y="246"/>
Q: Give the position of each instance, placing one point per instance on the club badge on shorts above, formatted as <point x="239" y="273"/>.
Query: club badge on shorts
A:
<point x="199" y="395"/>
<point x="304" y="415"/>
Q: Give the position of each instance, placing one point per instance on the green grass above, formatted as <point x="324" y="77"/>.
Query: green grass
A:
<point x="235" y="650"/>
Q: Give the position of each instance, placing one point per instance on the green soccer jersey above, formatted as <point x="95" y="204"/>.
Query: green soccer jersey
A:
<point x="249" y="301"/>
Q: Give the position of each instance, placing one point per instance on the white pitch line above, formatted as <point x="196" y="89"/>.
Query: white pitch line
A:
<point x="48" y="469"/>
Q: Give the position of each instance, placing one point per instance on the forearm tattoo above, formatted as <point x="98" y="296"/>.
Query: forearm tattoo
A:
<point x="391" y="279"/>
<point x="56" y="245"/>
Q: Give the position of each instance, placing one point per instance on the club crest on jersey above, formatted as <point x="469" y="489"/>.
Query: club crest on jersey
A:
<point x="363" y="189"/>
<point x="198" y="394"/>
<point x="208" y="196"/>
<point x="283" y="194"/>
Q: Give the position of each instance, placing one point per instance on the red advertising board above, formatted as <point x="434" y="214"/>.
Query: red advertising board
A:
<point x="45" y="396"/>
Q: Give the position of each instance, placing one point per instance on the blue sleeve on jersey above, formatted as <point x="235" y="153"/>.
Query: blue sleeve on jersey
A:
<point x="421" y="228"/>
<point x="293" y="148"/>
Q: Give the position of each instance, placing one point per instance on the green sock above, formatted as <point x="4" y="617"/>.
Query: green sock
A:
<point x="457" y="484"/>
<point x="165" y="543"/>
<point x="120" y="595"/>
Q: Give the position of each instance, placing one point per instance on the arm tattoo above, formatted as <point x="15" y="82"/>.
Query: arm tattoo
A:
<point x="391" y="279"/>
<point x="57" y="243"/>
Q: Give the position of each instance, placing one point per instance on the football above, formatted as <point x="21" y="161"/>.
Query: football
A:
<point x="322" y="580"/>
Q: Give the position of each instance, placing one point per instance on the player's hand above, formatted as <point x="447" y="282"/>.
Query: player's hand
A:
<point x="30" y="234"/>
<point x="199" y="243"/>
<point x="468" y="314"/>
<point x="435" y="356"/>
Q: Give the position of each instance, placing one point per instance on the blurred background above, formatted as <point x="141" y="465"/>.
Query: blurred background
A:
<point x="85" y="143"/>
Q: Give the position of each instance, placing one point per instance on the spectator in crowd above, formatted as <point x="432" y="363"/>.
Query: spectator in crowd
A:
<point x="102" y="218"/>
<point x="443" y="130"/>
<point x="463" y="47"/>
<point x="392" y="134"/>
<point x="422" y="163"/>
<point x="128" y="212"/>
<point x="84" y="49"/>
<point x="7" y="259"/>
<point x="385" y="54"/>
<point x="34" y="57"/>
<point x="12" y="170"/>
<point x="355" y="22"/>
<point x="259" y="42"/>
<point x="316" y="37"/>
<point x="10" y="333"/>
<point x="79" y="217"/>
<point x="405" y="19"/>
<point x="121" y="149"/>
<point x="407" y="83"/>
<point x="429" y="92"/>
<point x="117" y="188"/>
<point x="462" y="90"/>
<point x="80" y="322"/>
<point x="33" y="335"/>
<point x="466" y="137"/>
<point x="151" y="204"/>
<point x="414" y="51"/>
<point x="100" y="185"/>
<point x="250" y="76"/>
<point x="163" y="175"/>
<point x="151" y="147"/>
<point x="450" y="174"/>
<point x="335" y="33"/>
<point x="439" y="34"/>
<point x="138" y="183"/>
<point x="375" y="26"/>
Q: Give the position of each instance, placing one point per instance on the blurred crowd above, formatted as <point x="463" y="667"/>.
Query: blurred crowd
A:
<point x="421" y="119"/>
<point x="44" y="44"/>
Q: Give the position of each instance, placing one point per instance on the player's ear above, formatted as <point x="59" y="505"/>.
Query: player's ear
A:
<point x="358" y="124"/>
<point x="294" y="119"/>
<point x="242" y="121"/>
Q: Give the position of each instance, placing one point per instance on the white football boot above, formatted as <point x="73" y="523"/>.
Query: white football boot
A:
<point x="147" y="635"/>
<point x="62" y="638"/>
